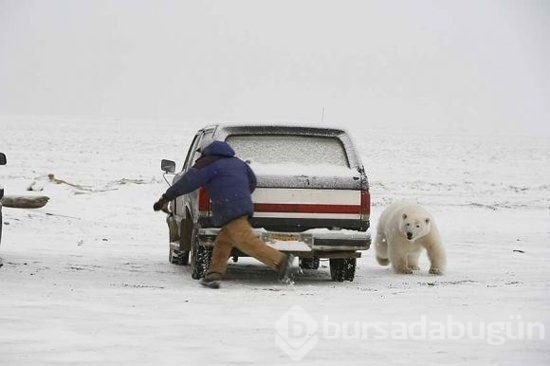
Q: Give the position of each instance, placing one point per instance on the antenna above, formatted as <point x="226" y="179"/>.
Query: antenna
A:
<point x="323" y="115"/>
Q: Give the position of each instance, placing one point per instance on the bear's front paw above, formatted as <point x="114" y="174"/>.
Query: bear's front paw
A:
<point x="403" y="271"/>
<point x="436" y="271"/>
<point x="414" y="268"/>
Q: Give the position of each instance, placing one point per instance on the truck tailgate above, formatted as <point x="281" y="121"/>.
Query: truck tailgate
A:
<point x="302" y="202"/>
<point x="307" y="203"/>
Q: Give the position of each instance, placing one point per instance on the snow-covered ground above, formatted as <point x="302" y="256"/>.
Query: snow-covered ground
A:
<point x="86" y="278"/>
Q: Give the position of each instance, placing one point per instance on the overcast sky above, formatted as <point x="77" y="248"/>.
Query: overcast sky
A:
<point x="460" y="65"/>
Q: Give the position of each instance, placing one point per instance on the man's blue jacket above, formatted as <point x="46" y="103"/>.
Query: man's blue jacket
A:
<point x="228" y="180"/>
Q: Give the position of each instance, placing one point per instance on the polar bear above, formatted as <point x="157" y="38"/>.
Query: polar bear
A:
<point x="403" y="230"/>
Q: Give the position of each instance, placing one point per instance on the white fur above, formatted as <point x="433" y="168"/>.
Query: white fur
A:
<point x="403" y="230"/>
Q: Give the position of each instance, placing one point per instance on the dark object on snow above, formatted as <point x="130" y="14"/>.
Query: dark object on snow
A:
<point x="25" y="201"/>
<point x="518" y="251"/>
<point x="3" y="161"/>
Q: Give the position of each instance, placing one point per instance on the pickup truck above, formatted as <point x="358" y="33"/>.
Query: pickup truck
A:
<point x="312" y="197"/>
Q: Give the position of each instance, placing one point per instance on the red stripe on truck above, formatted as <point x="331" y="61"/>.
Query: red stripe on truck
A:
<point x="307" y="208"/>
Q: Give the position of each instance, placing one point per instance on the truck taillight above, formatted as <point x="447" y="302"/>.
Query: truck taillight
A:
<point x="365" y="204"/>
<point x="204" y="201"/>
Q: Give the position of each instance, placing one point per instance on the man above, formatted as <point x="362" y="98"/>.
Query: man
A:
<point x="229" y="182"/>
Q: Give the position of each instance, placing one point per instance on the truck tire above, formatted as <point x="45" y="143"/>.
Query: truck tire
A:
<point x="200" y="261"/>
<point x="185" y="239"/>
<point x="309" y="263"/>
<point x="175" y="256"/>
<point x="342" y="269"/>
<point x="178" y="257"/>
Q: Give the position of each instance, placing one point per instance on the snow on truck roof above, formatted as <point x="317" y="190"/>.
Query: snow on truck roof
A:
<point x="223" y="131"/>
<point x="233" y="128"/>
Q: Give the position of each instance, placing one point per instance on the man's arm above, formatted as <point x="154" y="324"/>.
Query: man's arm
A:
<point x="196" y="177"/>
<point x="189" y="182"/>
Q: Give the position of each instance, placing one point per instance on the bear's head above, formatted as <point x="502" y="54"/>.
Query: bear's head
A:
<point x="414" y="227"/>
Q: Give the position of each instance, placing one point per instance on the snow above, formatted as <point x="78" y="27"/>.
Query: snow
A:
<point x="86" y="278"/>
<point x="270" y="149"/>
<point x="315" y="170"/>
<point x="290" y="245"/>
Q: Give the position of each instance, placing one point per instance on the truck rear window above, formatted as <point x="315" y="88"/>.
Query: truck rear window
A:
<point x="282" y="149"/>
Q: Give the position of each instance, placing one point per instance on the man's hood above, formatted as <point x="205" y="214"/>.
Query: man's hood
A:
<point x="219" y="148"/>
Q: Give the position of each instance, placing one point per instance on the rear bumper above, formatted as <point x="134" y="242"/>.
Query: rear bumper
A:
<point x="318" y="240"/>
<point x="297" y="224"/>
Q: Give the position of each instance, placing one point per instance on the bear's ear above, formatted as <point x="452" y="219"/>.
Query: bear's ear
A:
<point x="427" y="221"/>
<point x="404" y="216"/>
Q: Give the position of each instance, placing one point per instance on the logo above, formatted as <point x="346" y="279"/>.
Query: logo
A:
<point x="296" y="333"/>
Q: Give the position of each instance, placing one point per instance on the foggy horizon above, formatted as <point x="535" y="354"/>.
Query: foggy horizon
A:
<point x="470" y="66"/>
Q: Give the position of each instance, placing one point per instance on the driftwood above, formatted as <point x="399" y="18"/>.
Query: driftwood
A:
<point x="24" y="201"/>
<point x="53" y="179"/>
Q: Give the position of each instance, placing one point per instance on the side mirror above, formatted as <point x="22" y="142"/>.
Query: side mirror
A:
<point x="167" y="166"/>
<point x="3" y="159"/>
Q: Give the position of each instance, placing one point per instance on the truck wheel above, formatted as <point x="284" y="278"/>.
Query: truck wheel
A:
<point x="309" y="263"/>
<point x="342" y="269"/>
<point x="178" y="257"/>
<point x="200" y="261"/>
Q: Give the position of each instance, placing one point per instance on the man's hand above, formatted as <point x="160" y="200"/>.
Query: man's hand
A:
<point x="160" y="203"/>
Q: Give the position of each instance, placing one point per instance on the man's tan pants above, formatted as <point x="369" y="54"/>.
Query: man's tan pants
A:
<point x="238" y="233"/>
